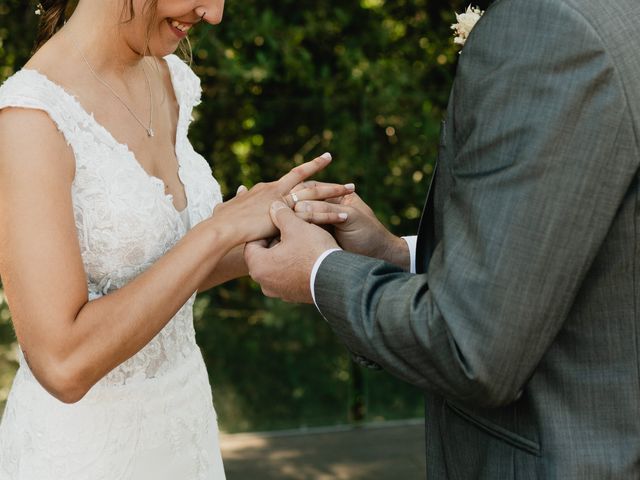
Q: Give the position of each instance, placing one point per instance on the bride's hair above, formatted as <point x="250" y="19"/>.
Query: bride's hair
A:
<point x="55" y="12"/>
<point x="52" y="17"/>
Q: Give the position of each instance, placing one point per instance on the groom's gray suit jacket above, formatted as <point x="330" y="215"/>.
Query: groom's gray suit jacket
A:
<point x="523" y="328"/>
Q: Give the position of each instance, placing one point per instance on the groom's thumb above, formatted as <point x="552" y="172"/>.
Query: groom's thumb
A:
<point x="281" y="215"/>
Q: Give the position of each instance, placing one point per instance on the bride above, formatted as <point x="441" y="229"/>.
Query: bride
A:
<point x="106" y="235"/>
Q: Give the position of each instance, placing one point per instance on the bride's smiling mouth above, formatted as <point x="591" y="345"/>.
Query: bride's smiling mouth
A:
<point x="180" y="29"/>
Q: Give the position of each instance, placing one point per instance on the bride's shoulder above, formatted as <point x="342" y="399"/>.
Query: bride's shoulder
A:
<point x="40" y="90"/>
<point x="23" y="82"/>
<point x="29" y="140"/>
<point x="32" y="83"/>
<point x="29" y="97"/>
<point x="32" y="107"/>
<point x="25" y="95"/>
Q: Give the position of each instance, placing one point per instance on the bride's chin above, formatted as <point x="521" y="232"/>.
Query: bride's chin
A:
<point x="161" y="49"/>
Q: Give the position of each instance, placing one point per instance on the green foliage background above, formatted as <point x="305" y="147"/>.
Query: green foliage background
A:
<point x="284" y="81"/>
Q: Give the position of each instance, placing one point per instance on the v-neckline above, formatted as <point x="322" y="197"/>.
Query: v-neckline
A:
<point x="123" y="146"/>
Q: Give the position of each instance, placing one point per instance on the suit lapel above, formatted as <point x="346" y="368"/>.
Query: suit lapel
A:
<point x="426" y="230"/>
<point x="426" y="234"/>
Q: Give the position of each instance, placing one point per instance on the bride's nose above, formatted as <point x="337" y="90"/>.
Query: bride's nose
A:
<point x="210" y="11"/>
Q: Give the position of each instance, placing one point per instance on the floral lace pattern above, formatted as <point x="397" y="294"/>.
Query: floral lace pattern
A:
<point x="125" y="222"/>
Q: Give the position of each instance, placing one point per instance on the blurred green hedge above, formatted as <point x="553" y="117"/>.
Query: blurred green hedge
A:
<point x="282" y="82"/>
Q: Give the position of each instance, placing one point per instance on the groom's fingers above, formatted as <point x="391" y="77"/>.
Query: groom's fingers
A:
<point x="253" y="251"/>
<point x="323" y="218"/>
<point x="347" y="199"/>
<point x="321" y="207"/>
<point x="275" y="241"/>
<point x="323" y="213"/>
<point x="284" y="218"/>
<point x="302" y="172"/>
<point x="258" y="244"/>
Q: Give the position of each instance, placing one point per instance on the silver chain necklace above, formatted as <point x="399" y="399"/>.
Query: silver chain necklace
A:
<point x="148" y="129"/>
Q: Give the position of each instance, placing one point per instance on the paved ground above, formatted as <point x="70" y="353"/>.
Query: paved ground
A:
<point x="390" y="451"/>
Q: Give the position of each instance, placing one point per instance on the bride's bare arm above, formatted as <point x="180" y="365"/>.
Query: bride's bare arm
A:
<point x="69" y="341"/>
<point x="230" y="267"/>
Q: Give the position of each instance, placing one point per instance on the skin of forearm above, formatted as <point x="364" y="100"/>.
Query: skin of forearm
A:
<point x="230" y="267"/>
<point x="396" y="251"/>
<point x="111" y="329"/>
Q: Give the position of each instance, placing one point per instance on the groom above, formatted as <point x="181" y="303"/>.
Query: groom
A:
<point x="522" y="323"/>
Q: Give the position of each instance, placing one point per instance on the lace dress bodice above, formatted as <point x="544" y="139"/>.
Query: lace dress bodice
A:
<point x="152" y="416"/>
<point x="125" y="221"/>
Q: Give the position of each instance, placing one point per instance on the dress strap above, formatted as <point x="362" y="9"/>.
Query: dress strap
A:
<point x="31" y="89"/>
<point x="188" y="91"/>
<point x="186" y="84"/>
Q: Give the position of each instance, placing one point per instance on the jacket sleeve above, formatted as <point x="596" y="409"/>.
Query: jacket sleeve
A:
<point x="544" y="151"/>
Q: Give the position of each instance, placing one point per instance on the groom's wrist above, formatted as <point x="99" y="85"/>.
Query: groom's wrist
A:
<point x="396" y="251"/>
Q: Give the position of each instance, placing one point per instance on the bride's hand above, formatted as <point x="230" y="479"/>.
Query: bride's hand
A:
<point x="248" y="212"/>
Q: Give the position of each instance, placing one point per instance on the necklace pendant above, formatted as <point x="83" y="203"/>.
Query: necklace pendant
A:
<point x="150" y="132"/>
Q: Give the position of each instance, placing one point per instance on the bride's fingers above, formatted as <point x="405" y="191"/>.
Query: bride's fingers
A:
<point x="319" y="192"/>
<point x="300" y="173"/>
<point x="241" y="190"/>
<point x="310" y="184"/>
<point x="303" y="185"/>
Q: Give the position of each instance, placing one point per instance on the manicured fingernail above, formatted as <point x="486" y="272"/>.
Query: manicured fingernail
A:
<point x="326" y="156"/>
<point x="343" y="216"/>
<point x="277" y="205"/>
<point x="350" y="186"/>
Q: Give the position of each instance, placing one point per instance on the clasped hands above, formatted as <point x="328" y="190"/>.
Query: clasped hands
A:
<point x="282" y="257"/>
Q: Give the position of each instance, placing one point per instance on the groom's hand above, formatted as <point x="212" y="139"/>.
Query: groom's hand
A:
<point x="362" y="232"/>
<point x="284" y="270"/>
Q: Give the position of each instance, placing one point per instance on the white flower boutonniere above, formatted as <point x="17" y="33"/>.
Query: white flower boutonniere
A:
<point x="466" y="22"/>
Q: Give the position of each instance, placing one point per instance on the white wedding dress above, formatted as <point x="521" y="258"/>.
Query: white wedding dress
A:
<point x="152" y="417"/>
